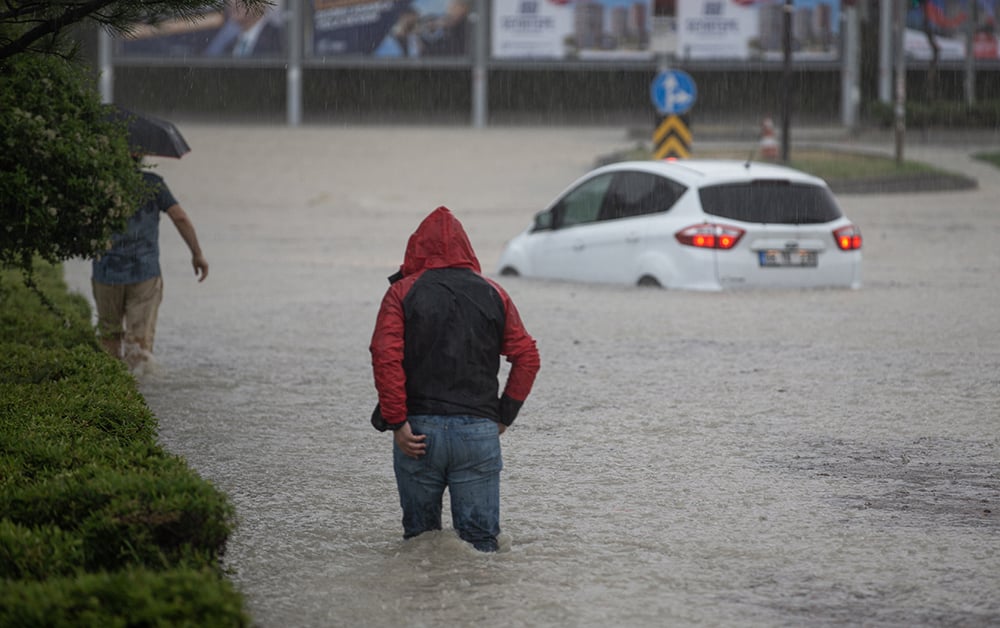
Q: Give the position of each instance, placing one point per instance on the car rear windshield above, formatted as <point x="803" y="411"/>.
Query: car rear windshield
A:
<point x="770" y="202"/>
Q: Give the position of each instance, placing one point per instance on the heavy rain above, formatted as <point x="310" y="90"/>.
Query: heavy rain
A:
<point x="737" y="458"/>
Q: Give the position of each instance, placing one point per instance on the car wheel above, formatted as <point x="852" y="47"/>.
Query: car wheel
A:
<point x="509" y="271"/>
<point x="648" y="281"/>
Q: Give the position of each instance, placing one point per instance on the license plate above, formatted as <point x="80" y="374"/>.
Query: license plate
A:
<point x="787" y="257"/>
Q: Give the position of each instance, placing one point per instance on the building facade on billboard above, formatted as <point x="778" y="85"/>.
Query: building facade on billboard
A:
<point x="560" y="29"/>
<point x="751" y="29"/>
<point x="716" y="29"/>
<point x="813" y="30"/>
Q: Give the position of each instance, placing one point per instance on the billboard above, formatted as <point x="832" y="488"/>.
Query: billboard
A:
<point x="233" y="32"/>
<point x="948" y="22"/>
<point x="572" y="29"/>
<point x="754" y="29"/>
<point x="391" y="28"/>
<point x="559" y="29"/>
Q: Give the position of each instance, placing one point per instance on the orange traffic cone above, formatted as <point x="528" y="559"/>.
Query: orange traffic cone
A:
<point x="768" y="142"/>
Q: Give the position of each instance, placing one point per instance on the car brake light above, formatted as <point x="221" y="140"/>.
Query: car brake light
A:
<point x="848" y="238"/>
<point x="710" y="236"/>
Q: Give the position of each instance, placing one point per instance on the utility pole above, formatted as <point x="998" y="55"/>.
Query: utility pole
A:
<point x="293" y="73"/>
<point x="786" y="92"/>
<point x="106" y="65"/>
<point x="970" y="55"/>
<point x="480" y="86"/>
<point x="886" y="13"/>
<point x="850" y="65"/>
<point x="900" y="104"/>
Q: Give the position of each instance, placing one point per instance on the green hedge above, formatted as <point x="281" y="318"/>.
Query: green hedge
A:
<point x="184" y="596"/>
<point x="24" y="319"/>
<point x="921" y="115"/>
<point x="98" y="524"/>
<point x="153" y="517"/>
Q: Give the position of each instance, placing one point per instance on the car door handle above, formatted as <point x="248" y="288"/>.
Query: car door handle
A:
<point x="632" y="238"/>
<point x="578" y="246"/>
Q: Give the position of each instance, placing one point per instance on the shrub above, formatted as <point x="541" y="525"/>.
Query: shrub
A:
<point x="27" y="319"/>
<point x="67" y="178"/>
<point x="99" y="526"/>
<point x="128" y="505"/>
<point x="80" y="390"/>
<point x="38" y="552"/>
<point x="185" y="596"/>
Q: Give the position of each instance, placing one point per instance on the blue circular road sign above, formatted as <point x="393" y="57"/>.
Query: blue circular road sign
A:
<point x="673" y="92"/>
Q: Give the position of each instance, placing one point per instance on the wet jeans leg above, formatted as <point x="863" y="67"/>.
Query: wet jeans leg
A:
<point x="474" y="482"/>
<point x="421" y="482"/>
<point x="463" y="454"/>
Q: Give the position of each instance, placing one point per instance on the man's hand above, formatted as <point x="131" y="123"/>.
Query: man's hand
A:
<point x="200" y="267"/>
<point x="186" y="228"/>
<point x="501" y="428"/>
<point x="409" y="443"/>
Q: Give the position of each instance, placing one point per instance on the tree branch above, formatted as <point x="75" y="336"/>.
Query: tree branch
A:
<point x="52" y="26"/>
<point x="119" y="15"/>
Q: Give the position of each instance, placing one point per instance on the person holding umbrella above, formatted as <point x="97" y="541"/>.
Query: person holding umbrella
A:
<point x="126" y="279"/>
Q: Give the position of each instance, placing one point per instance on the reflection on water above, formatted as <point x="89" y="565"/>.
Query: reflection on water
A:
<point x="747" y="459"/>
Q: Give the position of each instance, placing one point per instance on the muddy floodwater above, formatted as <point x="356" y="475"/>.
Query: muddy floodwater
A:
<point x="781" y="458"/>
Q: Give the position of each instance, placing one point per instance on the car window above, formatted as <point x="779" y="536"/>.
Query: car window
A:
<point x="771" y="202"/>
<point x="639" y="193"/>
<point x="583" y="204"/>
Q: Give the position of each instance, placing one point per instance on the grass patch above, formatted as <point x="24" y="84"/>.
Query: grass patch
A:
<point x="990" y="158"/>
<point x="838" y="165"/>
<point x="826" y="164"/>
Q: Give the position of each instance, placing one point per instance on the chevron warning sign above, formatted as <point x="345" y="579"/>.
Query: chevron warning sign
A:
<point x="672" y="138"/>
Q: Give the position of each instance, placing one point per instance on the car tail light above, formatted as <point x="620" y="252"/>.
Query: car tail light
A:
<point x="848" y="238"/>
<point x="710" y="236"/>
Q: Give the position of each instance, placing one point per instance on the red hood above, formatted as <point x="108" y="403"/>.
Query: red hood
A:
<point x="439" y="242"/>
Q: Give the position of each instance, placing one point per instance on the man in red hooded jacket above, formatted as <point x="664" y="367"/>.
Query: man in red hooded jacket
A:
<point x="439" y="335"/>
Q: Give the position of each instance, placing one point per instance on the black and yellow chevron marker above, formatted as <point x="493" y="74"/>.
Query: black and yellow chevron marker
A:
<point x="672" y="138"/>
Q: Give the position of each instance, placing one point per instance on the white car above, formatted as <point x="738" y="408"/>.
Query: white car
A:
<point x="692" y="225"/>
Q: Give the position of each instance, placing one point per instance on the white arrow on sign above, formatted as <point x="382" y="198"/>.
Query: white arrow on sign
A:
<point x="676" y="98"/>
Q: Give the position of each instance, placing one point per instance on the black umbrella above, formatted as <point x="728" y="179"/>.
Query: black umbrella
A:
<point x="149" y="135"/>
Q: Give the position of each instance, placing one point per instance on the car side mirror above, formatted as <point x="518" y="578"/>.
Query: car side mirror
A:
<point x="543" y="221"/>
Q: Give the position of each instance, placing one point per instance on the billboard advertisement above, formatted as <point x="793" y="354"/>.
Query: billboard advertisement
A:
<point x="560" y="29"/>
<point x="948" y="23"/>
<point x="391" y="28"/>
<point x="572" y="29"/>
<point x="754" y="29"/>
<point x="233" y="32"/>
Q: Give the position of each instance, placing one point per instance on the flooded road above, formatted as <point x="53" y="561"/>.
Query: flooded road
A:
<point x="742" y="459"/>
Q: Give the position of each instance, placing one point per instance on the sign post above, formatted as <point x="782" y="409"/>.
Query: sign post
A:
<point x="673" y="93"/>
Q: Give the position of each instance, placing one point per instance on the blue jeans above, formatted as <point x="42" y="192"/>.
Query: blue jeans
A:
<point x="463" y="454"/>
